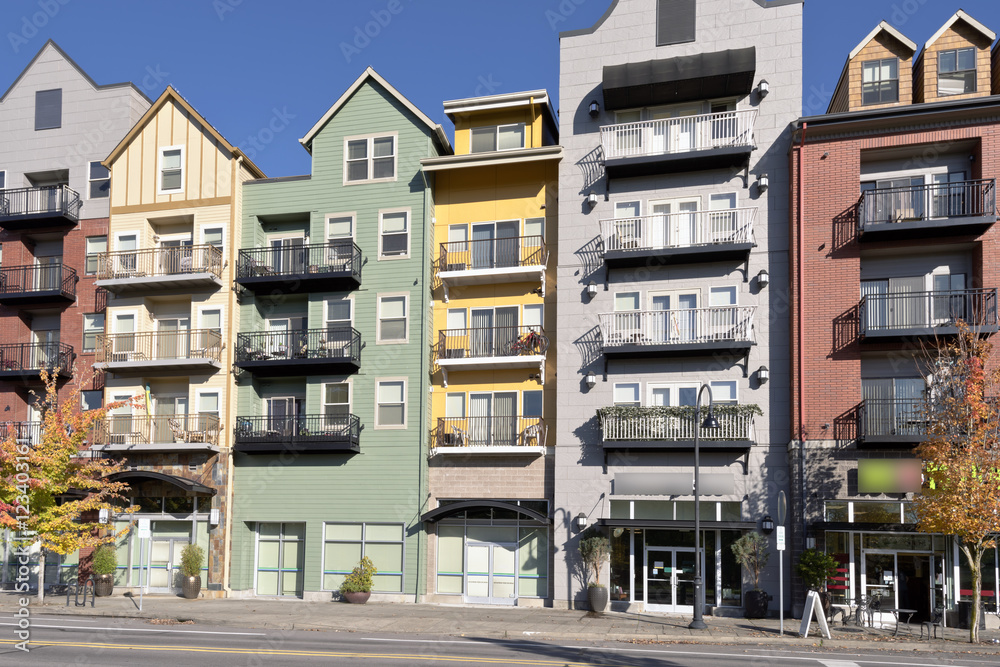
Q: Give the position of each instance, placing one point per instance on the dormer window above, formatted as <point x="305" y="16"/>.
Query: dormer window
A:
<point x="497" y="138"/>
<point x="880" y="81"/>
<point x="957" y="72"/>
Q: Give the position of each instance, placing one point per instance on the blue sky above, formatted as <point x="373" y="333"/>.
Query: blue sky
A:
<point x="243" y="62"/>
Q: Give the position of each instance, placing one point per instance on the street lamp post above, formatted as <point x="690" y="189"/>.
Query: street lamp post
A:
<point x="697" y="623"/>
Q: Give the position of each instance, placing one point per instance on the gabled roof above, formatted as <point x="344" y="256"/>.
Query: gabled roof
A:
<point x="373" y="75"/>
<point x="526" y="98"/>
<point x="884" y="27"/>
<point x="172" y="95"/>
<point x="960" y="15"/>
<point x="51" y="43"/>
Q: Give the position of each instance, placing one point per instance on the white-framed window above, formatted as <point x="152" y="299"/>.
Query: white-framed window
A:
<point x="171" y="170"/>
<point x="345" y="544"/>
<point x="722" y="296"/>
<point x="626" y="301"/>
<point x="211" y="319"/>
<point x="370" y="159"/>
<point x="393" y="318"/>
<point x="91" y="400"/>
<point x="98" y="181"/>
<point x="340" y="311"/>
<point x="533" y="316"/>
<point x="454" y="405"/>
<point x="336" y="404"/>
<point x="96" y="245"/>
<point x="3" y="179"/>
<point x="340" y="225"/>
<point x="208" y="404"/>
<point x="531" y="403"/>
<point x="279" y="559"/>
<point x="534" y="231"/>
<point x="93" y="324"/>
<point x="213" y="236"/>
<point x="880" y="81"/>
<point x="390" y="403"/>
<point x="497" y="138"/>
<point x="957" y="71"/>
<point x="394" y="234"/>
<point x="627" y="394"/>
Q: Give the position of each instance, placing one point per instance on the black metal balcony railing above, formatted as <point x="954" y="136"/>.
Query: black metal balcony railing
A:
<point x="897" y="418"/>
<point x="489" y="342"/>
<point x="25" y="281"/>
<point x="148" y="346"/>
<point x="502" y="253"/>
<point x="139" y="430"/>
<point x="335" y="343"/>
<point x="305" y="432"/>
<point x="964" y="199"/>
<point x="30" y="358"/>
<point x="160" y="262"/>
<point x="29" y="433"/>
<point x="495" y="431"/>
<point x="337" y="256"/>
<point x="915" y="311"/>
<point x="26" y="204"/>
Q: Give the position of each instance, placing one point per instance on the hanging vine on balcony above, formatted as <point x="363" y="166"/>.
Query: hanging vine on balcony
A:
<point x="679" y="411"/>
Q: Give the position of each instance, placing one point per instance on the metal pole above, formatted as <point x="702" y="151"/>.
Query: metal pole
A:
<point x="697" y="623"/>
<point x="142" y="543"/>
<point x="781" y="592"/>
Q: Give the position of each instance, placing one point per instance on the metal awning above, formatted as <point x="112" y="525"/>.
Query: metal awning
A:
<point x="703" y="76"/>
<point x="452" y="509"/>
<point x="864" y="527"/>
<point x="183" y="483"/>
<point x="677" y="525"/>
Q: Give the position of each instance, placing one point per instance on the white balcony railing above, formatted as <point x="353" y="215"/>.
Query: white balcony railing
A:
<point x="679" y="230"/>
<point x="678" y="327"/>
<point x="668" y="136"/>
<point x="650" y="423"/>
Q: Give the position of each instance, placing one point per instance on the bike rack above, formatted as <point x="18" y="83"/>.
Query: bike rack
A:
<point x="88" y="584"/>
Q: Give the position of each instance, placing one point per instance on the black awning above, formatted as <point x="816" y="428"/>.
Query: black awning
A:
<point x="703" y="76"/>
<point x="452" y="509"/>
<point x="864" y="527"/>
<point x="183" y="483"/>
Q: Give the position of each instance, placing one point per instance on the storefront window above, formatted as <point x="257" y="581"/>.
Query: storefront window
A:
<point x="839" y="585"/>
<point x="451" y="559"/>
<point x="639" y="569"/>
<point x="709" y="568"/>
<point x="989" y="585"/>
<point x="620" y="545"/>
<point x="532" y="554"/>
<point x="876" y="513"/>
<point x="732" y="577"/>
<point x="837" y="511"/>
<point x="620" y="509"/>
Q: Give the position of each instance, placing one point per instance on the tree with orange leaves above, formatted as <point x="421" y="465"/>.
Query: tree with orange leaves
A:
<point x="35" y="480"/>
<point x="961" y="491"/>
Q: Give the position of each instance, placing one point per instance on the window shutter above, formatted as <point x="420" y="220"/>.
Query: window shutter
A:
<point x="675" y="21"/>
<point x="48" y="109"/>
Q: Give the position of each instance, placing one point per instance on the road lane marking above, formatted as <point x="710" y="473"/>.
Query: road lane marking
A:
<point x="123" y="629"/>
<point x="837" y="663"/>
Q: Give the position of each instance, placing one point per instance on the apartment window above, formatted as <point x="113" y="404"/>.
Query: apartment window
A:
<point x="211" y="320"/>
<point x="534" y="231"/>
<point x="370" y="159"/>
<point x="531" y="404"/>
<point x="99" y="179"/>
<point x="93" y="324"/>
<point x="497" y="138"/>
<point x="336" y="404"/>
<point x="171" y="169"/>
<point x="3" y="180"/>
<point x="213" y="236"/>
<point x="724" y="392"/>
<point x="345" y="544"/>
<point x="880" y="81"/>
<point x="390" y="411"/>
<point x="340" y="227"/>
<point x="626" y="301"/>
<point x="208" y="411"/>
<point x="627" y="394"/>
<point x="96" y="245"/>
<point x="48" y="109"/>
<point x="675" y="21"/>
<point x="91" y="400"/>
<point x="392" y="319"/>
<point x="394" y="238"/>
<point x="957" y="72"/>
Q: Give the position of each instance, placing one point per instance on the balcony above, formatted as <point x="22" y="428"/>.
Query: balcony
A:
<point x="125" y="353"/>
<point x="673" y="428"/>
<point x="334" y="266"/>
<point x="493" y="261"/>
<point x="335" y="350"/>
<point x="26" y="361"/>
<point x="26" y="433"/>
<point x="489" y="435"/>
<point x="945" y="209"/>
<point x="927" y="314"/>
<point x="306" y="434"/>
<point x="671" y="145"/>
<point x="53" y="284"/>
<point x="893" y="421"/>
<point x="32" y="208"/>
<point x="160" y="269"/>
<point x="699" y="236"/>
<point x="491" y="348"/>
<point x="668" y="333"/>
<point x="156" y="433"/>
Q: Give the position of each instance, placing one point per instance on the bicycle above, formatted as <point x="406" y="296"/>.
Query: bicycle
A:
<point x="530" y="343"/>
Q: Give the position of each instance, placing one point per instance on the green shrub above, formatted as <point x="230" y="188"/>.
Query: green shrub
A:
<point x="815" y="568"/>
<point x="192" y="559"/>
<point x="104" y="560"/>
<point x="751" y="553"/>
<point x="360" y="579"/>
<point x="595" y="549"/>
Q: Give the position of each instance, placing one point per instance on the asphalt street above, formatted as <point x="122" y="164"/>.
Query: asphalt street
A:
<point x="57" y="640"/>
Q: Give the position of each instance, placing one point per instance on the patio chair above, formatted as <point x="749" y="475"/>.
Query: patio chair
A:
<point x="937" y="621"/>
<point x="533" y="432"/>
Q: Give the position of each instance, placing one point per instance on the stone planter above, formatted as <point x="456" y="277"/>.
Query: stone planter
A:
<point x="755" y="604"/>
<point x="103" y="585"/>
<point x="190" y="587"/>
<point x="359" y="597"/>
<point x="597" y="596"/>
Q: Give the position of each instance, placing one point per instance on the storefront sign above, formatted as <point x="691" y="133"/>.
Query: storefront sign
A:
<point x="889" y="475"/>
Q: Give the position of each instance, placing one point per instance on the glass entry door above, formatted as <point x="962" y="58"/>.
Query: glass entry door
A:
<point x="670" y="580"/>
<point x="164" y="564"/>
<point x="904" y="581"/>
<point x="491" y="573"/>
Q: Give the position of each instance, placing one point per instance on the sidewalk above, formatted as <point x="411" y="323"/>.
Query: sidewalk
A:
<point x="497" y="622"/>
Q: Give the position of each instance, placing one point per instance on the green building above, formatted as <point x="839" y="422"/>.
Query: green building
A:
<point x="330" y="438"/>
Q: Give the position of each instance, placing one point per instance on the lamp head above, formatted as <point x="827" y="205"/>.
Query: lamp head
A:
<point x="710" y="421"/>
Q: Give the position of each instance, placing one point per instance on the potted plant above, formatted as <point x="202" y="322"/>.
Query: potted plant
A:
<point x="595" y="549"/>
<point x="357" y="586"/>
<point x="104" y="563"/>
<point x="815" y="568"/>
<point x="752" y="554"/>
<point x="192" y="559"/>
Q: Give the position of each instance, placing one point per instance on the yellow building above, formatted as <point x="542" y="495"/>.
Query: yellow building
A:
<point x="171" y="251"/>
<point x="493" y="388"/>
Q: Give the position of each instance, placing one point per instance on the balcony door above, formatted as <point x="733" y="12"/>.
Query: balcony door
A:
<point x="493" y="419"/>
<point x="47" y="273"/>
<point x="678" y="131"/>
<point x="948" y="196"/>
<point x="950" y="302"/>
<point x="674" y="319"/>
<point x="283" y="413"/>
<point x="282" y="334"/>
<point x="46" y="350"/>
<point x="173" y="338"/>
<point x="496" y="244"/>
<point x="674" y="223"/>
<point x="288" y="255"/>
<point x="494" y="331"/>
<point x="894" y="406"/>
<point x="895" y="303"/>
<point x="170" y="423"/>
<point x="126" y="256"/>
<point x="175" y="256"/>
<point x="124" y="339"/>
<point x="120" y="418"/>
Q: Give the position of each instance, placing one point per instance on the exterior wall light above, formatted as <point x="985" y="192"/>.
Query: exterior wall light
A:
<point x="591" y="290"/>
<point x="763" y="374"/>
<point x="591" y="380"/>
<point x="763" y="278"/>
<point x="762" y="182"/>
<point x="592" y="199"/>
<point x="763" y="88"/>
<point x="767" y="525"/>
<point x="595" y="109"/>
<point x="580" y="521"/>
